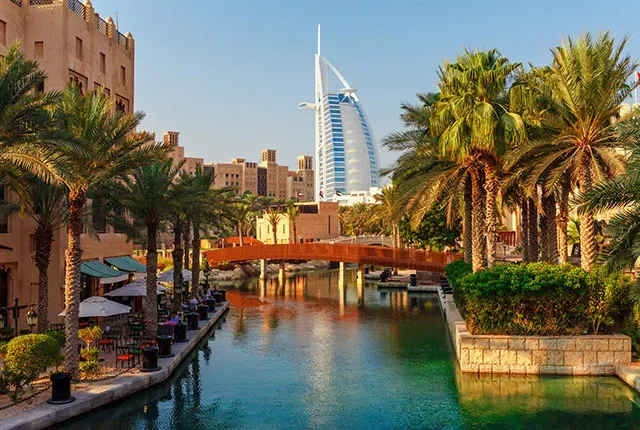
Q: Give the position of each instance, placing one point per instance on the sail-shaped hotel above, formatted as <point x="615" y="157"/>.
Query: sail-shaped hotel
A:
<point x="346" y="155"/>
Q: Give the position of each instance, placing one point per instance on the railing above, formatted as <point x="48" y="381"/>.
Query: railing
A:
<point x="101" y="25"/>
<point x="507" y="237"/>
<point x="17" y="2"/>
<point x="77" y="7"/>
<point x="401" y="258"/>
<point x="39" y="2"/>
<point x="122" y="40"/>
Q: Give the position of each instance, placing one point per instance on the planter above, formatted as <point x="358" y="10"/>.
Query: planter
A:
<point x="203" y="311"/>
<point x="164" y="346"/>
<point x="212" y="305"/>
<point x="223" y="295"/>
<point x="192" y="321"/>
<point x="181" y="332"/>
<point x="150" y="359"/>
<point x="60" y="389"/>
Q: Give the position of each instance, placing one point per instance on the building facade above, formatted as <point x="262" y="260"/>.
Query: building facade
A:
<point x="71" y="43"/>
<point x="316" y="221"/>
<point x="346" y="154"/>
<point x="176" y="153"/>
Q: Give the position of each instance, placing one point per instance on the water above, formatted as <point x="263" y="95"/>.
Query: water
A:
<point x="312" y="355"/>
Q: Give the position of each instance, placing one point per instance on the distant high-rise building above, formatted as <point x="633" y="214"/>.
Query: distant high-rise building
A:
<point x="346" y="155"/>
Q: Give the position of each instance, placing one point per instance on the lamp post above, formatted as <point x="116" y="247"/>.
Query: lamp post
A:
<point x="32" y="316"/>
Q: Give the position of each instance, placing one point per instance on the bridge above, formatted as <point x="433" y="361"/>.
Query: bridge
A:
<point x="361" y="240"/>
<point x="429" y="261"/>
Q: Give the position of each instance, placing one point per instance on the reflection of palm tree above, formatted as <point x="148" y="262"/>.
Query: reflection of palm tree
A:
<point x="240" y="330"/>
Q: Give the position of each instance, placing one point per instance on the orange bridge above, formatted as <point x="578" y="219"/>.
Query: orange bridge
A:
<point x="429" y="261"/>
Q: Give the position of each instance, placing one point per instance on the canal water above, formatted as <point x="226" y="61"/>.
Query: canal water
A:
<point x="308" y="354"/>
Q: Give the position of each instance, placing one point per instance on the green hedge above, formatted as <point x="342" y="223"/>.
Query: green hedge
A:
<point x="541" y="299"/>
<point x="456" y="271"/>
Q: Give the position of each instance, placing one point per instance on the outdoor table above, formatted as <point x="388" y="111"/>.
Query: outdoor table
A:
<point x="192" y="321"/>
<point x="181" y="332"/>
<point x="164" y="344"/>
<point x="203" y="311"/>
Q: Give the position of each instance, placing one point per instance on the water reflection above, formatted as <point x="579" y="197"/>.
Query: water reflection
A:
<point x="309" y="353"/>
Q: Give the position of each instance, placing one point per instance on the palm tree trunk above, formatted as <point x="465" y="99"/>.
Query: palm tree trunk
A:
<point x="240" y="233"/>
<point x="178" y="252"/>
<point x="195" y="267"/>
<point x="563" y="221"/>
<point x="524" y="223"/>
<point x="187" y="242"/>
<point x="151" y="301"/>
<point x="552" y="229"/>
<point x="588" y="242"/>
<point x="73" y="261"/>
<point x="467" y="223"/>
<point x="295" y="232"/>
<point x="544" y="231"/>
<point x="42" y="258"/>
<point x="533" y="230"/>
<point x="491" y="186"/>
<point x="274" y="230"/>
<point x="478" y="222"/>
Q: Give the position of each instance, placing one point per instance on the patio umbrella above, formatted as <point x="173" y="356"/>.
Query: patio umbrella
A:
<point x="134" y="289"/>
<point x="168" y="276"/>
<point x="100" y="307"/>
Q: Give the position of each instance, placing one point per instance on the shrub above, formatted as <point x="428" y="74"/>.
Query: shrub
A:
<point x="541" y="299"/>
<point x="90" y="368"/>
<point x="27" y="357"/>
<point x="90" y="334"/>
<point x="90" y="354"/>
<point x="456" y="271"/>
<point x="58" y="335"/>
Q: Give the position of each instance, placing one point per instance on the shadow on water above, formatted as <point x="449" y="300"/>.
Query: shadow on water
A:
<point x="309" y="353"/>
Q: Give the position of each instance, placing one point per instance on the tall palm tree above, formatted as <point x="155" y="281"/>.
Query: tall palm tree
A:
<point x="244" y="208"/>
<point x="293" y="211"/>
<point x="27" y="142"/>
<point x="583" y="89"/>
<point x="273" y="218"/>
<point x="390" y="210"/>
<point x="106" y="147"/>
<point x="146" y="196"/>
<point x="472" y="119"/>
<point x="45" y="204"/>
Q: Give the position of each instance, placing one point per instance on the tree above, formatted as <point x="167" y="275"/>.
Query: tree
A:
<point x="293" y="211"/>
<point x="273" y="218"/>
<point x="583" y="90"/>
<point x="472" y="120"/>
<point x="27" y="142"/>
<point x="390" y="210"/>
<point x="244" y="208"/>
<point x="45" y="204"/>
<point x="146" y="196"/>
<point x="105" y="146"/>
<point x="433" y="232"/>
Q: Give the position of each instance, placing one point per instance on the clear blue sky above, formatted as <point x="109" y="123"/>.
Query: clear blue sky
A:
<point x="229" y="74"/>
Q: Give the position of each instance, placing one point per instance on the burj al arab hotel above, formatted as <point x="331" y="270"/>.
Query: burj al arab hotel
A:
<point x="346" y="155"/>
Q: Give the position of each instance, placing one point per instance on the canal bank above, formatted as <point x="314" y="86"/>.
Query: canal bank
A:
<point x="98" y="395"/>
<point x="305" y="353"/>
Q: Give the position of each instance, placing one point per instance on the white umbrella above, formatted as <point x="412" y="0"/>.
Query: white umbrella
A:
<point x="134" y="289"/>
<point x="168" y="276"/>
<point x="100" y="307"/>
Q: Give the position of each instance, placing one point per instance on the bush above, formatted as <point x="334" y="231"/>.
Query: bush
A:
<point x="90" y="368"/>
<point x="541" y="299"/>
<point x="90" y="354"/>
<point x="90" y="334"/>
<point x="58" y="335"/>
<point x="27" y="357"/>
<point x="456" y="271"/>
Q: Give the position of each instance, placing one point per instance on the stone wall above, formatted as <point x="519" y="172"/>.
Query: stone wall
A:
<point x="535" y="355"/>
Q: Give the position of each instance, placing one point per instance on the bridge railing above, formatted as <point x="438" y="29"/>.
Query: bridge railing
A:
<point x="361" y="254"/>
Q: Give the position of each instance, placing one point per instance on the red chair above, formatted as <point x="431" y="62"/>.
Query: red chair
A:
<point x="123" y="355"/>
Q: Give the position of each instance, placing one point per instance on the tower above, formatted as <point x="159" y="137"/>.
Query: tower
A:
<point x="345" y="152"/>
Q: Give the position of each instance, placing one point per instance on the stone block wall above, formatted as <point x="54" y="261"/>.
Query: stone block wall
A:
<point x="535" y="355"/>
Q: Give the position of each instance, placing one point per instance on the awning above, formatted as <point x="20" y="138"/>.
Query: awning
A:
<point x="127" y="264"/>
<point x="106" y="274"/>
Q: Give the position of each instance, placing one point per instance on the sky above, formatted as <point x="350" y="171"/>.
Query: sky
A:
<point x="228" y="75"/>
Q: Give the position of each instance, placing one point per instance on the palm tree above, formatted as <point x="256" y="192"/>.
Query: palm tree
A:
<point x="146" y="196"/>
<point x="273" y="218"/>
<point x="472" y="120"/>
<point x="244" y="208"/>
<point x="293" y="211"/>
<point x="27" y="142"/>
<point x="583" y="90"/>
<point x="45" y="204"/>
<point x="106" y="147"/>
<point x="390" y="210"/>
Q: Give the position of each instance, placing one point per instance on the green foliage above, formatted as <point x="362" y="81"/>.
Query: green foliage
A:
<point x="541" y="299"/>
<point x="27" y="357"/>
<point x="90" y="354"/>
<point x="58" y="335"/>
<point x="90" y="334"/>
<point x="90" y="368"/>
<point x="3" y="347"/>
<point x="432" y="232"/>
<point x="456" y="271"/>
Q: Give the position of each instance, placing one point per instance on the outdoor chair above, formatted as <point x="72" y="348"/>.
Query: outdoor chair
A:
<point x="58" y="327"/>
<point x="125" y="355"/>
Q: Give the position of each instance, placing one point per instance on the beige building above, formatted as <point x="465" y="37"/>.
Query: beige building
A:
<point x="70" y="42"/>
<point x="267" y="178"/>
<point x="176" y="153"/>
<point x="316" y="221"/>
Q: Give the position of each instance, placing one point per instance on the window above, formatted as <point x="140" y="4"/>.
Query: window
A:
<point x="99" y="216"/>
<point x="3" y="32"/>
<point x="79" y="48"/>
<point x="4" y="220"/>
<point x="329" y="224"/>
<point x="123" y="75"/>
<point x="103" y="63"/>
<point x="39" y="50"/>
<point x="40" y="88"/>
